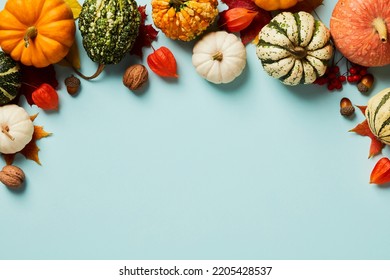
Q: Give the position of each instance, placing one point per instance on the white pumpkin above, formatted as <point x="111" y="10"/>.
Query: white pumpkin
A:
<point x="219" y="57"/>
<point x="16" y="129"/>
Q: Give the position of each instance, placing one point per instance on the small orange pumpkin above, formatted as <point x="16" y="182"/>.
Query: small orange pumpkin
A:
<point x="273" y="5"/>
<point x="183" y="19"/>
<point x="38" y="32"/>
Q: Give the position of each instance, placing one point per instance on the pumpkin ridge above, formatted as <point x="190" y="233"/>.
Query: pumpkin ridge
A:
<point x="298" y="23"/>
<point x="276" y="26"/>
<point x="383" y="101"/>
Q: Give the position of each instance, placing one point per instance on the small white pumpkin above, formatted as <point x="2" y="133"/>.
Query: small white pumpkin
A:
<point x="219" y="57"/>
<point x="294" y="48"/>
<point x="16" y="129"/>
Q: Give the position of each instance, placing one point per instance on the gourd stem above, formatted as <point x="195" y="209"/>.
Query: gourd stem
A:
<point x="380" y="27"/>
<point x="31" y="33"/>
<point x="97" y="73"/>
<point x="299" y="52"/>
<point x="5" y="130"/>
<point x="218" y="56"/>
<point x="176" y="2"/>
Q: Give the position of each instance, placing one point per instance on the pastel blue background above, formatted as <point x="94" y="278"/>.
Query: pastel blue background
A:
<point x="191" y="170"/>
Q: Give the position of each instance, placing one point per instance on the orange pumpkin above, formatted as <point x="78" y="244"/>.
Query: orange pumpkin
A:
<point x="273" y="5"/>
<point x="360" y="31"/>
<point x="38" y="32"/>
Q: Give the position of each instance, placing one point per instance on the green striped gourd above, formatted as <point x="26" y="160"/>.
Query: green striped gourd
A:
<point x="294" y="48"/>
<point x="10" y="78"/>
<point x="108" y="29"/>
<point x="378" y="115"/>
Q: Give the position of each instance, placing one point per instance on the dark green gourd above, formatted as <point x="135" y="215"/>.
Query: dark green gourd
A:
<point x="109" y="29"/>
<point x="10" y="78"/>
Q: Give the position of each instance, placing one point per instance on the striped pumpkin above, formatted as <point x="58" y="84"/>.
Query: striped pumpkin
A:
<point x="10" y="78"/>
<point x="294" y="48"/>
<point x="378" y="115"/>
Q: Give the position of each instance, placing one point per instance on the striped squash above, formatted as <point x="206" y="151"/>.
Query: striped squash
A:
<point x="294" y="48"/>
<point x="10" y="78"/>
<point x="378" y="115"/>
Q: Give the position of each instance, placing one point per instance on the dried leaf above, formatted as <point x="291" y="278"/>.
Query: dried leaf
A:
<point x="381" y="172"/>
<point x="305" y="5"/>
<point x="33" y="77"/>
<point x="72" y="59"/>
<point x="263" y="17"/>
<point x="75" y="6"/>
<point x="146" y="35"/>
<point x="31" y="150"/>
<point x="363" y="129"/>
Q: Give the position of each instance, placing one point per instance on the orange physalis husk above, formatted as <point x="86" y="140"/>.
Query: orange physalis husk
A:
<point x="45" y="97"/>
<point x="237" y="19"/>
<point x="163" y="63"/>
<point x="381" y="172"/>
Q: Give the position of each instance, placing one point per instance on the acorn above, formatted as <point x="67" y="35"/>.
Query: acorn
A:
<point x="346" y="107"/>
<point x="365" y="83"/>
<point x="72" y="84"/>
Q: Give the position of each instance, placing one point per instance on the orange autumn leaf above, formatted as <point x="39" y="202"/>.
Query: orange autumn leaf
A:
<point x="31" y="150"/>
<point x="381" y="172"/>
<point x="363" y="129"/>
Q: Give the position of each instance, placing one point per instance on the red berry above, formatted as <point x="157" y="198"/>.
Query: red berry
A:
<point x="353" y="70"/>
<point x="363" y="72"/>
<point x="330" y="87"/>
<point x="350" y="79"/>
<point x="342" y="78"/>
<point x="335" y="69"/>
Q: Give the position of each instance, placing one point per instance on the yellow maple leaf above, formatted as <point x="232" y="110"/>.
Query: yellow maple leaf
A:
<point x="72" y="59"/>
<point x="75" y="6"/>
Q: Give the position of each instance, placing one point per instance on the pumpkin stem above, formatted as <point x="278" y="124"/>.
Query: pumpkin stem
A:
<point x="218" y="56"/>
<point x="299" y="52"/>
<point x="99" y="70"/>
<point x="380" y="27"/>
<point x="176" y="3"/>
<point x="31" y="33"/>
<point x="5" y="130"/>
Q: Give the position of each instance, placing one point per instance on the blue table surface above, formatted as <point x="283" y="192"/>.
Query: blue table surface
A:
<point x="191" y="170"/>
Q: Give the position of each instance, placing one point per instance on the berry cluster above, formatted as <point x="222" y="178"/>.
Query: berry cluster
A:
<point x="334" y="80"/>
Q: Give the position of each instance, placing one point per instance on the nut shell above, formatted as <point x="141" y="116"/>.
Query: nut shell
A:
<point x="12" y="176"/>
<point x="135" y="76"/>
<point x="72" y="84"/>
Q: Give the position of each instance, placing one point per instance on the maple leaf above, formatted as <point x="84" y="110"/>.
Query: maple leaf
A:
<point x="306" y="6"/>
<point x="75" y="6"/>
<point x="30" y="151"/>
<point x="363" y="129"/>
<point x="146" y="34"/>
<point x="33" y="77"/>
<point x="259" y="21"/>
<point x="72" y="59"/>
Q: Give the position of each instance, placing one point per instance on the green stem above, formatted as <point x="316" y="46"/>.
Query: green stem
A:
<point x="31" y="33"/>
<point x="380" y="27"/>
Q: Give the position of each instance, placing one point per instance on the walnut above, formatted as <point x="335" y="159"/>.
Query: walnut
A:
<point x="135" y="76"/>
<point x="12" y="176"/>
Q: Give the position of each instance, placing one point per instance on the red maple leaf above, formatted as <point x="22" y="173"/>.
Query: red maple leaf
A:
<point x="259" y="21"/>
<point x="146" y="34"/>
<point x="33" y="77"/>
<point x="363" y="129"/>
